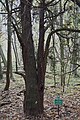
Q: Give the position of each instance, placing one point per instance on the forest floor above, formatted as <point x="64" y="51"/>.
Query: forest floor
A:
<point x="11" y="102"/>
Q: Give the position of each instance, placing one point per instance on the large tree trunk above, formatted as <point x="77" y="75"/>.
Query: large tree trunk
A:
<point x="31" y="95"/>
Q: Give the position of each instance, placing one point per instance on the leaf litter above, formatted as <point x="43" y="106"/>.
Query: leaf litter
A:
<point x="11" y="104"/>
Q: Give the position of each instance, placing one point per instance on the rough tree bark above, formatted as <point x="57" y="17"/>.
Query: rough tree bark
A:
<point x="40" y="56"/>
<point x="32" y="104"/>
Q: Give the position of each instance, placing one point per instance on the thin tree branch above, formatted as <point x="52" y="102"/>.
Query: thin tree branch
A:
<point x="49" y="38"/>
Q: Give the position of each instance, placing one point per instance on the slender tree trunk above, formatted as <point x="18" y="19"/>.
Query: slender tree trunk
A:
<point x="15" y="52"/>
<point x="11" y="69"/>
<point x="62" y="50"/>
<point x="8" y="54"/>
<point x="1" y="75"/>
<point x="54" y="61"/>
<point x="76" y="42"/>
<point x="74" y="57"/>
<point x="40" y="58"/>
<point x="3" y="57"/>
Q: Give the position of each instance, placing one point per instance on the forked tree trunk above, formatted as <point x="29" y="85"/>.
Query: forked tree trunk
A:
<point x="32" y="104"/>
